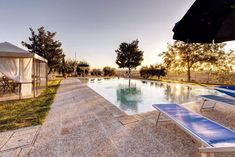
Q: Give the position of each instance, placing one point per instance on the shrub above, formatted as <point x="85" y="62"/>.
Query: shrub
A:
<point x="96" y="72"/>
<point x="157" y="70"/>
<point x="108" y="71"/>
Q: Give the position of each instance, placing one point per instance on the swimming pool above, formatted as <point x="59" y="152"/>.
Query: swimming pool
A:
<point x="136" y="96"/>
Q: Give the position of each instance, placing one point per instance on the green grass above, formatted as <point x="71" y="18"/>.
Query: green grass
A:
<point x="28" y="112"/>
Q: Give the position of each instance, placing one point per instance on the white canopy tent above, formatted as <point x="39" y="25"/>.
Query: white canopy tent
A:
<point x="23" y="67"/>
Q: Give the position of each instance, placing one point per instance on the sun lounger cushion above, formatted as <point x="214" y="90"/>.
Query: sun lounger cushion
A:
<point x="205" y="129"/>
<point x="227" y="87"/>
<point x="228" y="90"/>
<point x="219" y="99"/>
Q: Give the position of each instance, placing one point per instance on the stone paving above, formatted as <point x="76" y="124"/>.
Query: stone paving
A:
<point x="82" y="123"/>
<point x="13" y="143"/>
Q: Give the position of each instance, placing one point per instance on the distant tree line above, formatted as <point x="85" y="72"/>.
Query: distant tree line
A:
<point x="154" y="70"/>
<point x="96" y="72"/>
<point x="82" y="68"/>
<point x="106" y="71"/>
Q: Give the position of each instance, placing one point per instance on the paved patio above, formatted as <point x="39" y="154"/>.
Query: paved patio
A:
<point x="82" y="123"/>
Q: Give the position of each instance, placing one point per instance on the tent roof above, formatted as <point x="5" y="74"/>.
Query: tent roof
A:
<point x="9" y="50"/>
<point x="8" y="47"/>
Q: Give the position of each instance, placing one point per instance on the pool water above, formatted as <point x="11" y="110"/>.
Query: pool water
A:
<point x="137" y="96"/>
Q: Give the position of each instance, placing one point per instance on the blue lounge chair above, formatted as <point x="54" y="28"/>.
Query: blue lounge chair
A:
<point x="228" y="90"/>
<point x="213" y="136"/>
<point x="216" y="99"/>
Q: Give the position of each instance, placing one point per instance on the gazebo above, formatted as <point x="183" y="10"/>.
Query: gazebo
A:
<point x="27" y="70"/>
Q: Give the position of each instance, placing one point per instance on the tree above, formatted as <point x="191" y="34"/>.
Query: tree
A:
<point x="144" y="72"/>
<point x="154" y="70"/>
<point x="222" y="68"/>
<point x="158" y="70"/>
<point x="129" y="55"/>
<point x="83" y="68"/>
<point x="108" y="71"/>
<point x="96" y="72"/>
<point x="70" y="66"/>
<point x="44" y="44"/>
<point x="187" y="56"/>
<point x="79" y="71"/>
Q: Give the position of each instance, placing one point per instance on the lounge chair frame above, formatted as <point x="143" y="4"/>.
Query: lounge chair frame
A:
<point x="205" y="149"/>
<point x="203" y="107"/>
<point x="205" y="99"/>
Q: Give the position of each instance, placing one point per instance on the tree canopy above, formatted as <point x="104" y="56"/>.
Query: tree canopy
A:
<point x="154" y="70"/>
<point x="70" y="66"/>
<point x="182" y="56"/>
<point x="129" y="55"/>
<point x="108" y="71"/>
<point x="96" y="72"/>
<point x="44" y="44"/>
<point x="83" y="68"/>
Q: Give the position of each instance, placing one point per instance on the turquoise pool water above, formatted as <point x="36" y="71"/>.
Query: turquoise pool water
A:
<point x="137" y="96"/>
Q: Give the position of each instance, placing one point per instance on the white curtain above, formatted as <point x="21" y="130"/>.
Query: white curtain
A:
<point x="1" y="75"/>
<point x="43" y="73"/>
<point x="26" y="65"/>
<point x="10" y="68"/>
<point x="19" y="70"/>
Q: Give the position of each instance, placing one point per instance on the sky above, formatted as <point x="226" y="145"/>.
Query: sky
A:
<point x="94" y="29"/>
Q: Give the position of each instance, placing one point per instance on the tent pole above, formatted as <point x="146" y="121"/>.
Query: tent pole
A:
<point x="34" y="82"/>
<point x="20" y="90"/>
<point x="39" y="74"/>
<point x="46" y="76"/>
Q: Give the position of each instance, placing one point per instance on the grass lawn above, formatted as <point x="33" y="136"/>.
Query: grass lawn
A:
<point x="28" y="112"/>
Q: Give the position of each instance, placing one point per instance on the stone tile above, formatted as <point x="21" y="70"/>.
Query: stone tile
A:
<point x="71" y="147"/>
<point x="139" y="117"/>
<point x="28" y="130"/>
<point x="24" y="152"/>
<point x="49" y="148"/>
<point x="4" y="137"/>
<point x="102" y="148"/>
<point x="127" y="119"/>
<point x="10" y="153"/>
<point x="149" y="115"/>
<point x="18" y="141"/>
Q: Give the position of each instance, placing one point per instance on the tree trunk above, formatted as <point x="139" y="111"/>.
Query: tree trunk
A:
<point x="188" y="68"/>
<point x="129" y="72"/>
<point x="189" y="74"/>
<point x="50" y="70"/>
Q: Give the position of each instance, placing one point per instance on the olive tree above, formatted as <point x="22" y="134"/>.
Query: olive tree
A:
<point x="129" y="55"/>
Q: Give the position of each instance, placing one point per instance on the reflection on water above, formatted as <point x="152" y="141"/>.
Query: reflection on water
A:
<point x="179" y="94"/>
<point x="84" y="80"/>
<point x="128" y="96"/>
<point x="136" y="96"/>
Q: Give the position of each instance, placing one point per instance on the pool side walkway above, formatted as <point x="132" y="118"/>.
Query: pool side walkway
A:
<point x="82" y="123"/>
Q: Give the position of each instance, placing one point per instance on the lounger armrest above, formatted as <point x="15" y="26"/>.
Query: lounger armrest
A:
<point x="216" y="149"/>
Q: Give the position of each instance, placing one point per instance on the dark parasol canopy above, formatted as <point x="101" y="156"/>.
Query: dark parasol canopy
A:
<point x="207" y="21"/>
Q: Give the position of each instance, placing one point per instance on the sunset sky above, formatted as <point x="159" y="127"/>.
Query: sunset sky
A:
<point x="95" y="28"/>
